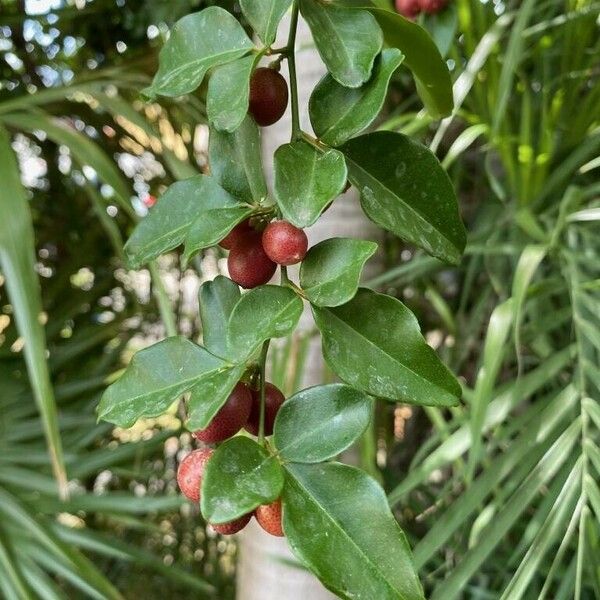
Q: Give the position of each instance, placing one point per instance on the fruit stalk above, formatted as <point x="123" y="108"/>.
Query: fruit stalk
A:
<point x="263" y="368"/>
<point x="291" y="58"/>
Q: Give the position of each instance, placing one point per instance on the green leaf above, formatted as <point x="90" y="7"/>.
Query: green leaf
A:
<point x="209" y="395"/>
<point x="337" y="113"/>
<point x="268" y="311"/>
<point x="220" y="213"/>
<point x="17" y="260"/>
<point x="307" y="180"/>
<point x="442" y="28"/>
<point x="155" y="378"/>
<point x="422" y="57"/>
<point x="228" y="94"/>
<point x="239" y="477"/>
<point x="235" y="161"/>
<point x="217" y="299"/>
<point x="330" y="272"/>
<point x="347" y="40"/>
<point x="168" y="223"/>
<point x="337" y="520"/>
<point x="264" y="16"/>
<point x="198" y="42"/>
<point x="317" y="424"/>
<point x="405" y="190"/>
<point x="374" y="344"/>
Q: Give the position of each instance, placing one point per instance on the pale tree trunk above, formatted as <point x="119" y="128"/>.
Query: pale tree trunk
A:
<point x="264" y="570"/>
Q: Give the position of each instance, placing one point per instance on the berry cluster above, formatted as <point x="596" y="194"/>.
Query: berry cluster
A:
<point x="241" y="410"/>
<point x="254" y="256"/>
<point x="412" y="8"/>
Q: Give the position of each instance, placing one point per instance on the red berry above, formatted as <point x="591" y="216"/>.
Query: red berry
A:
<point x="268" y="96"/>
<point x="190" y="471"/>
<point x="238" y="233"/>
<point x="432" y="6"/>
<point x="248" y="264"/>
<point x="274" y="398"/>
<point x="233" y="526"/>
<point x="149" y="201"/>
<point x="231" y="417"/>
<point x="408" y="8"/>
<point x="269" y="518"/>
<point x="284" y="243"/>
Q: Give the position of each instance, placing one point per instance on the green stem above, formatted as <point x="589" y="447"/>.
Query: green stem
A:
<point x="291" y="58"/>
<point x="164" y="304"/>
<point x="263" y="368"/>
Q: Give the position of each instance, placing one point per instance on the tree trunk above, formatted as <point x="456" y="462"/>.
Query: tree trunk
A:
<point x="266" y="569"/>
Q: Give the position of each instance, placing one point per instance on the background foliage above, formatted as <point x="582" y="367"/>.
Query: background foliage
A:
<point x="499" y="496"/>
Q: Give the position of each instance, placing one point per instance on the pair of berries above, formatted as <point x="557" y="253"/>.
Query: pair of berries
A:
<point x="242" y="409"/>
<point x="412" y="8"/>
<point x="189" y="479"/>
<point x="253" y="256"/>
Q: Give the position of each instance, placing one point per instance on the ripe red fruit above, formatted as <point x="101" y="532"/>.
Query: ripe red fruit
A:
<point x="284" y="243"/>
<point x="190" y="471"/>
<point x="432" y="6"/>
<point x="274" y="398"/>
<point x="268" y="96"/>
<point x="149" y="201"/>
<point x="238" y="233"/>
<point x="269" y="518"/>
<point x="248" y="264"/>
<point x="408" y="8"/>
<point x="231" y="417"/>
<point x="233" y="526"/>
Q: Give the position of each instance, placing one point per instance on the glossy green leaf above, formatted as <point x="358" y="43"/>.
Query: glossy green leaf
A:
<point x="348" y="40"/>
<point x="307" y="180"/>
<point x="240" y="476"/>
<point x="17" y="261"/>
<point x="374" y="343"/>
<point x="155" y="378"/>
<point x="422" y="57"/>
<point x="338" y="522"/>
<point x="268" y="311"/>
<point x="408" y="193"/>
<point x="228" y="94"/>
<point x="168" y="223"/>
<point x="330" y="272"/>
<point x="318" y="423"/>
<point x="220" y="213"/>
<point x="198" y="42"/>
<point x="264" y="16"/>
<point x="235" y="161"/>
<point x="216" y="299"/>
<point x="209" y="395"/>
<point x="337" y="112"/>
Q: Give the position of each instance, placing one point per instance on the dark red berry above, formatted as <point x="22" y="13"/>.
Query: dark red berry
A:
<point x="238" y="233"/>
<point x="268" y="96"/>
<point x="190" y="471"/>
<point x="274" y="398"/>
<point x="432" y="6"/>
<point x="284" y="243"/>
<point x="233" y="526"/>
<point x="248" y="264"/>
<point x="231" y="417"/>
<point x="269" y="518"/>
